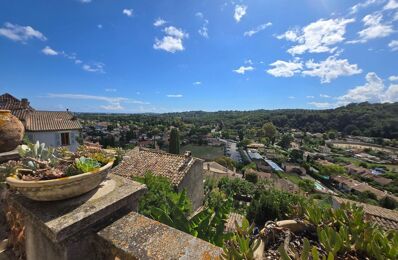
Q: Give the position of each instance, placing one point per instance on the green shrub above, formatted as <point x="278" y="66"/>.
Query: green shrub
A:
<point x="274" y="205"/>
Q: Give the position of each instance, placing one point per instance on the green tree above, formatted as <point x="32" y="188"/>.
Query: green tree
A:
<point x="160" y="190"/>
<point x="226" y="162"/>
<point x="270" y="131"/>
<point x="388" y="202"/>
<point x="174" y="146"/>
<point x="285" y="141"/>
<point x="251" y="177"/>
<point x="306" y="185"/>
<point x="297" y="156"/>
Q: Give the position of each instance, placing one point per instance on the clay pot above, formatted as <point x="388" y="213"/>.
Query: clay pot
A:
<point x="11" y="131"/>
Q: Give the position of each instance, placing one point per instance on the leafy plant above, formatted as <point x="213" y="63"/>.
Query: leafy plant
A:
<point x="37" y="156"/>
<point x="87" y="164"/>
<point x="207" y="225"/>
<point x="242" y="244"/>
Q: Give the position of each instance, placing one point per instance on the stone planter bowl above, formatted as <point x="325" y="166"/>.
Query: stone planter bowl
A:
<point x="62" y="188"/>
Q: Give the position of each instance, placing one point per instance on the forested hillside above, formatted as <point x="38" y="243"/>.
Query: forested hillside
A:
<point x="375" y="120"/>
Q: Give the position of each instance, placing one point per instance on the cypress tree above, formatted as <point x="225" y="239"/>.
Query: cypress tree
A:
<point x="174" y="146"/>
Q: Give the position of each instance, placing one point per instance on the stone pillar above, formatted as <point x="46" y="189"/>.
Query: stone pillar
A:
<point x="64" y="229"/>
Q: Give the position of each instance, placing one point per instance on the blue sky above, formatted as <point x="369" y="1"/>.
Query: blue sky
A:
<point x="178" y="55"/>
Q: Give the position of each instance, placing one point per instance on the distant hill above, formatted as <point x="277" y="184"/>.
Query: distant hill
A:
<point x="375" y="120"/>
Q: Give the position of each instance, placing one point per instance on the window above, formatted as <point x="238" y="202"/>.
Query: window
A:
<point x="65" y="139"/>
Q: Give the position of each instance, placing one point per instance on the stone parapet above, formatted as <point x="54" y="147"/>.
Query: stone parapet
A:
<point x="136" y="237"/>
<point x="63" y="229"/>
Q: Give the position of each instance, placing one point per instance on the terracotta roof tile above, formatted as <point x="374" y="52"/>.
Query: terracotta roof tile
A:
<point x="139" y="161"/>
<point x="385" y="218"/>
<point x="51" y="121"/>
<point x="230" y="224"/>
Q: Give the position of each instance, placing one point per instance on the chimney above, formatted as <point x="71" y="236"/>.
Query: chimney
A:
<point x="67" y="110"/>
<point x="24" y="103"/>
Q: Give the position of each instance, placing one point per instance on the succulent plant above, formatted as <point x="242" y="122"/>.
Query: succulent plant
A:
<point x="85" y="164"/>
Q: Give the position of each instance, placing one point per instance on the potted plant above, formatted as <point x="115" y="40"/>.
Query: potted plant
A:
<point x="48" y="174"/>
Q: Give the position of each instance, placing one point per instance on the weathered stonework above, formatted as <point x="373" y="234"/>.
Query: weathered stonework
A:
<point x="137" y="237"/>
<point x="63" y="229"/>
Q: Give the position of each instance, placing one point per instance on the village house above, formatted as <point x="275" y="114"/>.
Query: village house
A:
<point x="54" y="128"/>
<point x="293" y="168"/>
<point x="368" y="174"/>
<point x="216" y="170"/>
<point x="387" y="219"/>
<point x="184" y="171"/>
<point x="350" y="185"/>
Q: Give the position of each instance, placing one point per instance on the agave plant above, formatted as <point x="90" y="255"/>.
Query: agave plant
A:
<point x="37" y="156"/>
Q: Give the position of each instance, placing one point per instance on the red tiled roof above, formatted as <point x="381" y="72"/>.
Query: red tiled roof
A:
<point x="232" y="218"/>
<point x="139" y="161"/>
<point x="385" y="218"/>
<point x="51" y="121"/>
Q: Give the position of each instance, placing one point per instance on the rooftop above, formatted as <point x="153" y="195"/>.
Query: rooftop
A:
<point x="51" y="121"/>
<point x="39" y="120"/>
<point x="138" y="161"/>
<point x="386" y="218"/>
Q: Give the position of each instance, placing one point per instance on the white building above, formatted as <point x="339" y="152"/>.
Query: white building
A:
<point x="54" y="128"/>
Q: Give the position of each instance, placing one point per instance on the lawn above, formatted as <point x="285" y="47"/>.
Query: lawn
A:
<point x="204" y="152"/>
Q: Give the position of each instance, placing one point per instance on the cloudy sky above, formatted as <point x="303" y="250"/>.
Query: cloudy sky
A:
<point x="177" y="55"/>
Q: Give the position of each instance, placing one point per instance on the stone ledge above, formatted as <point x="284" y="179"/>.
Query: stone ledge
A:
<point x="137" y="237"/>
<point x="60" y="220"/>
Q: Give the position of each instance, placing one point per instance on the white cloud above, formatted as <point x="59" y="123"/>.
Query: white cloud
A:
<point x="174" y="96"/>
<point x="324" y="96"/>
<point x="99" y="26"/>
<point x="321" y="104"/>
<point x="199" y="14"/>
<point x="392" y="4"/>
<point x="240" y="11"/>
<point x="393" y="45"/>
<point x="374" y="28"/>
<point x="354" y="9"/>
<point x="110" y="90"/>
<point x="374" y="90"/>
<point x="393" y="78"/>
<point x="257" y="29"/>
<point x="128" y="12"/>
<point x="48" y="51"/>
<point x="317" y="37"/>
<point x="169" y="44"/>
<point x="285" y="68"/>
<point x="330" y="69"/>
<point x="175" y="32"/>
<point x="204" y="31"/>
<point x="172" y="41"/>
<point x="310" y="97"/>
<point x="95" y="67"/>
<point x="291" y="97"/>
<point x="85" y="1"/>
<point x="112" y="103"/>
<point x="20" y="33"/>
<point x="159" y="22"/>
<point x="243" y="69"/>
<point x="396" y="16"/>
<point x="197" y="83"/>
<point x="291" y="35"/>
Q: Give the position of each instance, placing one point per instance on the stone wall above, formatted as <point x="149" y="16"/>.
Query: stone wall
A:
<point x="137" y="237"/>
<point x="193" y="184"/>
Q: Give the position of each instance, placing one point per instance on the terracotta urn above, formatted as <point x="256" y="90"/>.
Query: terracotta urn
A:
<point x="11" y="131"/>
